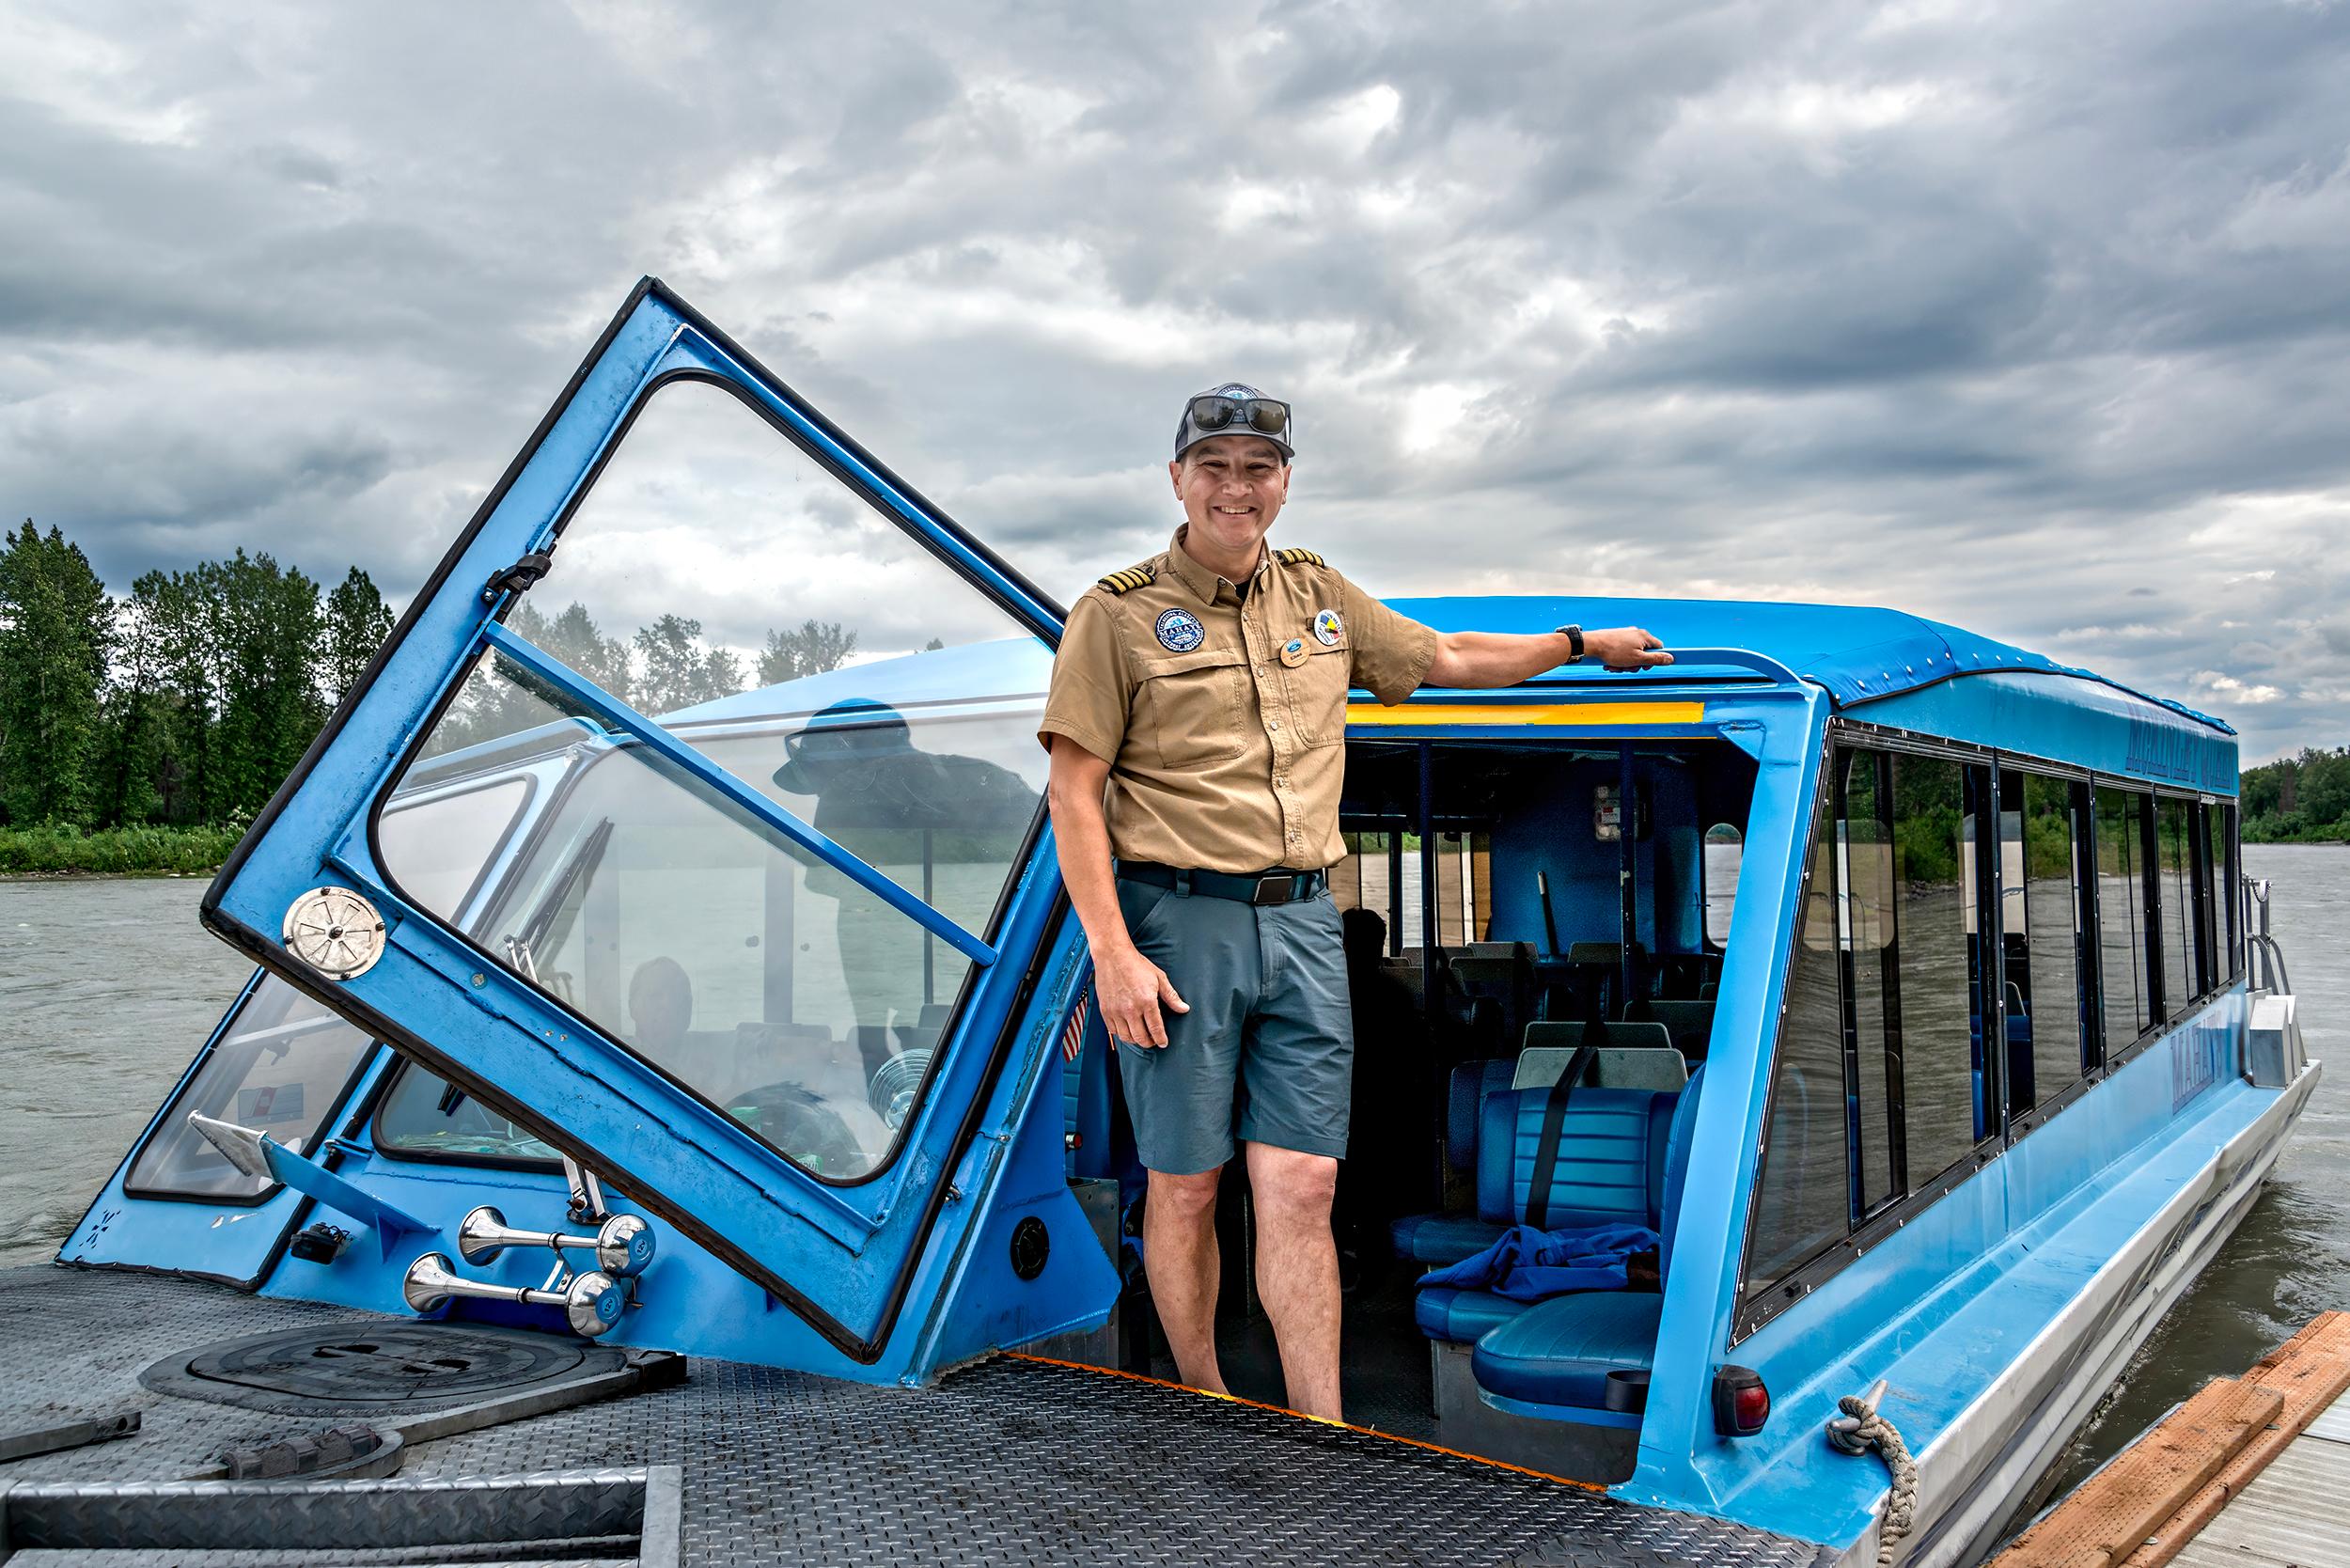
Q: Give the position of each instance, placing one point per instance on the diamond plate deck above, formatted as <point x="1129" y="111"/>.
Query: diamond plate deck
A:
<point x="1011" y="1461"/>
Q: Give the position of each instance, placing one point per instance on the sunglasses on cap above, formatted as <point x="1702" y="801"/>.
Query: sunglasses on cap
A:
<point x="1212" y="411"/>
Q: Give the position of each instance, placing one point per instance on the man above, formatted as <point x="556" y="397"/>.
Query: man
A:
<point x="1197" y="722"/>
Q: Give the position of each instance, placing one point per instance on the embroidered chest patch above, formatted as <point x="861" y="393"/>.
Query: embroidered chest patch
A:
<point x="1328" y="628"/>
<point x="1179" y="631"/>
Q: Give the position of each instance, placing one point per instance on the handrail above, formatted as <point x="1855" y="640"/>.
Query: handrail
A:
<point x="1763" y="664"/>
<point x="763" y="811"/>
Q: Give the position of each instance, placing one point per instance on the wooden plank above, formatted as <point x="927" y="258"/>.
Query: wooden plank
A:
<point x="2310" y="1371"/>
<point x="2112" y="1516"/>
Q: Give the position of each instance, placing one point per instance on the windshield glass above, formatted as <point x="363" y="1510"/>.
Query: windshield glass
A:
<point x="282" y="1064"/>
<point x="820" y="656"/>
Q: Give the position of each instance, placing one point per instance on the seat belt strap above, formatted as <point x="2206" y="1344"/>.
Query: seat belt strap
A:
<point x="1554" y="1123"/>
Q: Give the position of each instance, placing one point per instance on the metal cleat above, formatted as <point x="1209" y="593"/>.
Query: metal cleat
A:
<point x="592" y="1302"/>
<point x="623" y="1243"/>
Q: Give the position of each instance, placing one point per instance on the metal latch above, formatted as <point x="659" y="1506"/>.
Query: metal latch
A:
<point x="518" y="578"/>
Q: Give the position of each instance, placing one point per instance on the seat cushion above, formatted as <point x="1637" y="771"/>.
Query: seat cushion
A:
<point x="1439" y="1239"/>
<point x="1464" y="1317"/>
<point x="1560" y="1351"/>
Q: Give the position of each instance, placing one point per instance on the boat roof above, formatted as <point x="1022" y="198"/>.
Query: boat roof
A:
<point x="1857" y="653"/>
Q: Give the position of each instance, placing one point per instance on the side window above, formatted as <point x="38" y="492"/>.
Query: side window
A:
<point x="2174" y="865"/>
<point x="1867" y="938"/>
<point x="1933" y="836"/>
<point x="2040" y="925"/>
<point x="2226" y="903"/>
<point x="2121" y="918"/>
<point x="1802" y="1201"/>
<point x="1724" y="851"/>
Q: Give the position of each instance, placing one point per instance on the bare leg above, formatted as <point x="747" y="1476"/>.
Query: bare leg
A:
<point x="1297" y="1270"/>
<point x="1178" y="1253"/>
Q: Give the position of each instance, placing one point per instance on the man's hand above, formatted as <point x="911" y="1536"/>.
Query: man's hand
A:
<point x="1131" y="989"/>
<point x="1625" y="648"/>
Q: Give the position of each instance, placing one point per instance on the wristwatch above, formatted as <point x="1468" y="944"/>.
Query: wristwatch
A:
<point x="1574" y="642"/>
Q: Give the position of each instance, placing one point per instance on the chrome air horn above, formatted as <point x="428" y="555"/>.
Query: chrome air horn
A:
<point x="592" y="1302"/>
<point x="623" y="1245"/>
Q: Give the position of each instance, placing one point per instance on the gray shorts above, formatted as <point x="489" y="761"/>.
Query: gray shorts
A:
<point x="1266" y="1053"/>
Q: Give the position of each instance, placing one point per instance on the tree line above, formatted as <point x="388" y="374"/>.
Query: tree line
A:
<point x="187" y="701"/>
<point x="184" y="702"/>
<point x="2304" y="798"/>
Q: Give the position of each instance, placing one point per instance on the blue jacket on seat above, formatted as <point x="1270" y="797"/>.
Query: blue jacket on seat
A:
<point x="1527" y="1264"/>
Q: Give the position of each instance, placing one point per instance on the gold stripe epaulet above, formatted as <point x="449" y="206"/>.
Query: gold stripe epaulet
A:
<point x="1129" y="580"/>
<point x="1298" y="558"/>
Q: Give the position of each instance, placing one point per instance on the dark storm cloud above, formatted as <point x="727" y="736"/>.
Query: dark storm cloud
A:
<point x="2031" y="317"/>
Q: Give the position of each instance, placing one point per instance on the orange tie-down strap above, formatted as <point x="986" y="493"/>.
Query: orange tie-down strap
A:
<point x="1300" y="1415"/>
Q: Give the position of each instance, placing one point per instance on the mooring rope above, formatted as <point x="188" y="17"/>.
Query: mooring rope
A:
<point x="1862" y="1428"/>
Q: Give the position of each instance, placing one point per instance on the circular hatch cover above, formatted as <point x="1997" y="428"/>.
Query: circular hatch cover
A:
<point x="375" y="1368"/>
<point x="335" y="932"/>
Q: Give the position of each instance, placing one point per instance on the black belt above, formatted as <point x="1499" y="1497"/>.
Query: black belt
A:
<point x="1260" y="887"/>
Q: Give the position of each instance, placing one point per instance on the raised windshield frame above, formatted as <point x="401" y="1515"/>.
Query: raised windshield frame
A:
<point x="844" y="1263"/>
<point x="619" y="742"/>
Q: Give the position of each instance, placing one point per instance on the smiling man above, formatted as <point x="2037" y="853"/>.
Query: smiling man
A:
<point x="1197" y="727"/>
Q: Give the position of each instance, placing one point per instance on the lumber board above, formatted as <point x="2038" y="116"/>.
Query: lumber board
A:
<point x="2311" y="1371"/>
<point x="2113" y="1514"/>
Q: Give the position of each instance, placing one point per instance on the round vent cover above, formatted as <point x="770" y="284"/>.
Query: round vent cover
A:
<point x="335" y="932"/>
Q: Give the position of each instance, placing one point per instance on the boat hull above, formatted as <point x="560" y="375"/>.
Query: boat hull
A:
<point x="1977" y="1475"/>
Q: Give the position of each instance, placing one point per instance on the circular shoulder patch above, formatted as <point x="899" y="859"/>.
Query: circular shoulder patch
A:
<point x="1179" y="631"/>
<point x="1328" y="628"/>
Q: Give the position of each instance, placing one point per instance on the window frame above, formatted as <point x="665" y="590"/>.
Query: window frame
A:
<point x="1753" y="1308"/>
<point x="991" y="932"/>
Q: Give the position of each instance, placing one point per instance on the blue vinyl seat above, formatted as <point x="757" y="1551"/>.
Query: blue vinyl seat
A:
<point x="1612" y="1167"/>
<point x="1557" y="1353"/>
<point x="1438" y="1239"/>
<point x="1560" y="1351"/>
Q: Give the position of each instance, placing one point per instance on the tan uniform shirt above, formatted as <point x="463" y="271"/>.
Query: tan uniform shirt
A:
<point x="1224" y="720"/>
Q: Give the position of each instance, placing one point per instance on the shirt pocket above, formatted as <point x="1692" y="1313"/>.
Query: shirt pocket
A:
<point x="1192" y="705"/>
<point x="1319" y="688"/>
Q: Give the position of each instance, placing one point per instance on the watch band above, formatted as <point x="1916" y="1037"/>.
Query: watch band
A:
<point x="1574" y="642"/>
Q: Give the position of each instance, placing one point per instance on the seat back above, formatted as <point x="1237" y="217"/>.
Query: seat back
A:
<point x="1464" y="1100"/>
<point x="1602" y="1173"/>
<point x="1674" y="1176"/>
<point x="1689" y="1024"/>
<point x="1633" y="1055"/>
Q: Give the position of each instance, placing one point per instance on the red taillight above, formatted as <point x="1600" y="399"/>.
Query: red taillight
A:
<point x="1741" y="1403"/>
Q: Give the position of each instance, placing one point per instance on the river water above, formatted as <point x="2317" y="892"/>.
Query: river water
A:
<point x="107" y="988"/>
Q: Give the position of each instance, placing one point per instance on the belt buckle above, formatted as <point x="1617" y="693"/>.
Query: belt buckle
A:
<point x="1273" y="889"/>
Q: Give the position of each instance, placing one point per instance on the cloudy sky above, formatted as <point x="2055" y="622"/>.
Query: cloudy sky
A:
<point x="2028" y="314"/>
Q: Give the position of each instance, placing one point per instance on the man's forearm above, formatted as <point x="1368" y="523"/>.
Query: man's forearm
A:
<point x="1481" y="659"/>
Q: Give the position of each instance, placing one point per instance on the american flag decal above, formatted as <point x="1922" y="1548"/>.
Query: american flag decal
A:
<point x="1073" y="1039"/>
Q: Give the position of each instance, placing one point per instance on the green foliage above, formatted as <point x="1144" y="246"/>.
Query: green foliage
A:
<point x="60" y="848"/>
<point x="2303" y="799"/>
<point x="57" y="625"/>
<point x="357" y="622"/>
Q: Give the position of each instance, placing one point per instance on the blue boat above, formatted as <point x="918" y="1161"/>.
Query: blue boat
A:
<point x="724" y="1001"/>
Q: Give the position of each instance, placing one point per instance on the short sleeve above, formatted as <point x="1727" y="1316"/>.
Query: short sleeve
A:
<point x="1391" y="652"/>
<point x="1090" y="693"/>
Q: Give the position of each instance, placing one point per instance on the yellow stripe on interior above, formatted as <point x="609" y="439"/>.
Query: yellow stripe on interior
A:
<point x="1583" y="715"/>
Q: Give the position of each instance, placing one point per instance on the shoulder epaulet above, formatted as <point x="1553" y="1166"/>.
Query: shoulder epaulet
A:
<point x="1130" y="579"/>
<point x="1298" y="558"/>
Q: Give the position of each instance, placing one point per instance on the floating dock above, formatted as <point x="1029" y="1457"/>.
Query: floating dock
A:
<point x="2251" y="1471"/>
